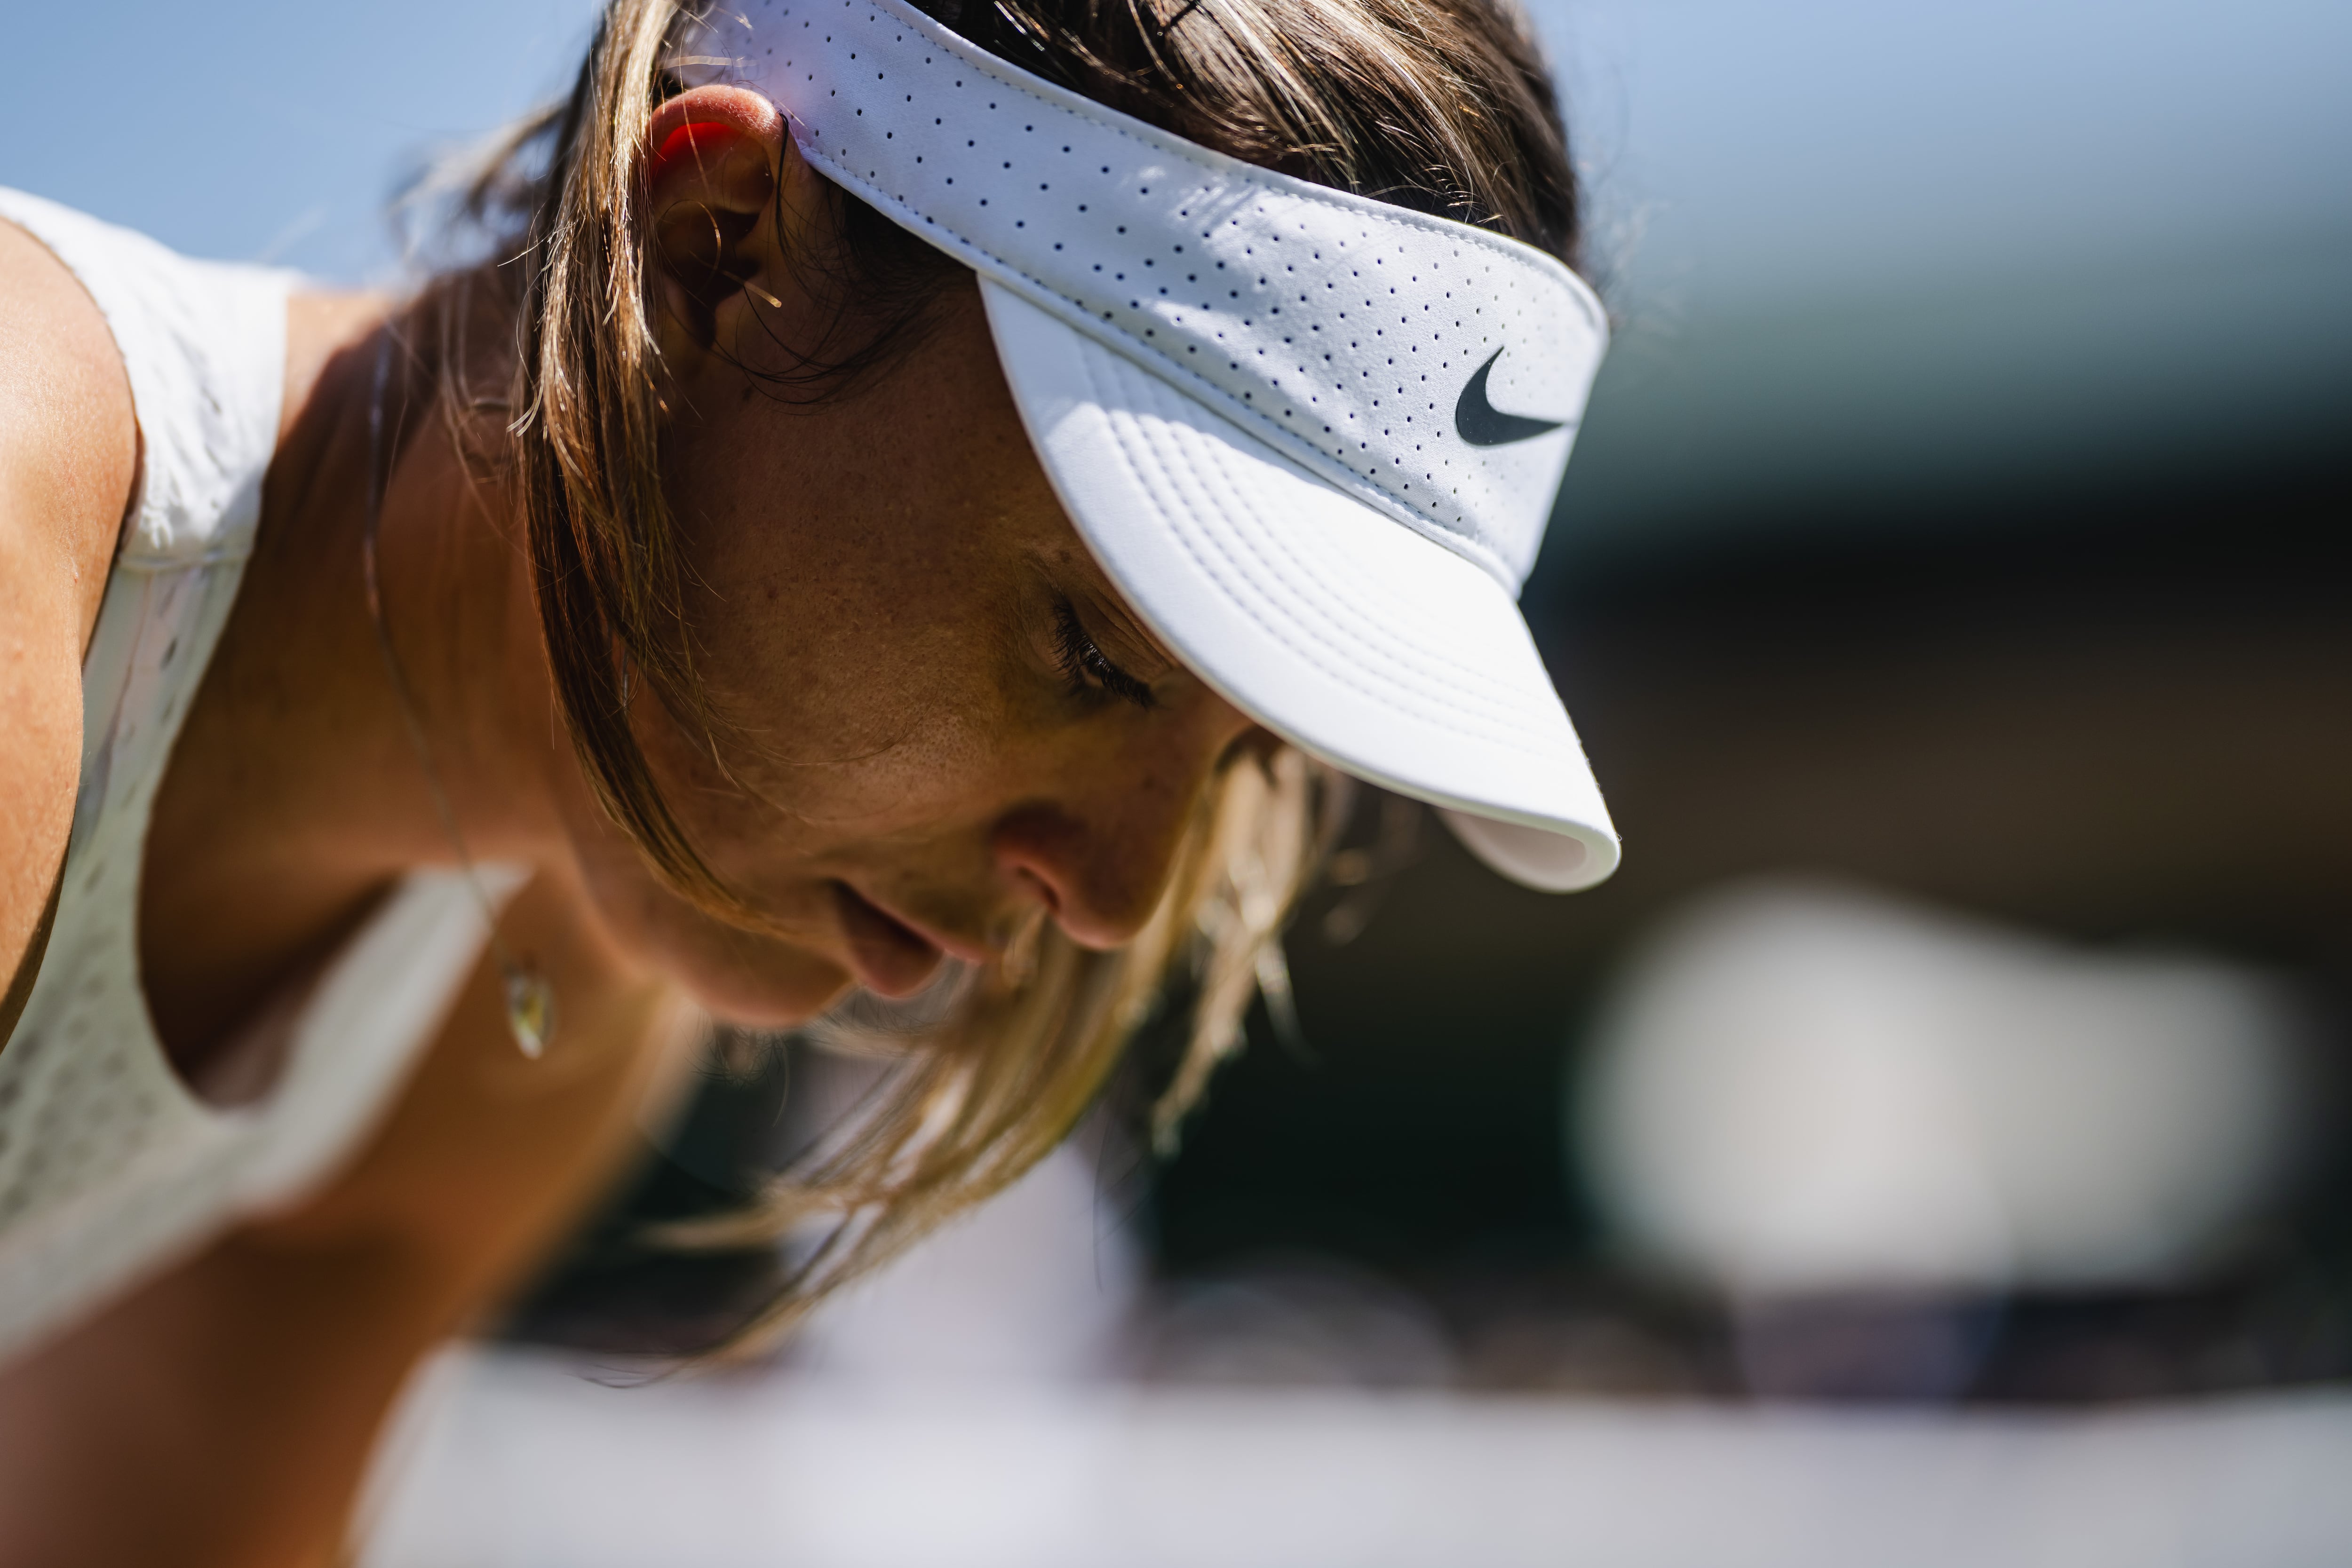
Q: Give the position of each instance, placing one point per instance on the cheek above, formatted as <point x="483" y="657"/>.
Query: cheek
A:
<point x="867" y="695"/>
<point x="856" y="569"/>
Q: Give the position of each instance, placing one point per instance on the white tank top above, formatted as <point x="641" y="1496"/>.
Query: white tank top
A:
<point x="110" y="1169"/>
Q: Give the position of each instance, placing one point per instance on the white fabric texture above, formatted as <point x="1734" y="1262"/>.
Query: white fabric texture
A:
<point x="1313" y="353"/>
<point x="110" y="1169"/>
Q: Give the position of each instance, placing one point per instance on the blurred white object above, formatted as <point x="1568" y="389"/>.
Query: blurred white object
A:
<point x="523" y="1466"/>
<point x="1805" y="1088"/>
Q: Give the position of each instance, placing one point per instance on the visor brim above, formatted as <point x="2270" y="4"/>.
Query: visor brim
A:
<point x="1353" y="637"/>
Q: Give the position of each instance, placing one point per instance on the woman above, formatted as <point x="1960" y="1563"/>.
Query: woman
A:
<point x="896" y="515"/>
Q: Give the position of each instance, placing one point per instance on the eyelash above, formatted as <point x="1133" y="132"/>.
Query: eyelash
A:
<point x="1085" y="667"/>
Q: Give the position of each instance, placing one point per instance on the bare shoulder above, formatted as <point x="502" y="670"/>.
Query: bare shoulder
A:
<point x="68" y="451"/>
<point x="68" y="436"/>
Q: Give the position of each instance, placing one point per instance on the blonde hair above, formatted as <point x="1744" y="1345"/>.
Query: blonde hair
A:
<point x="1439" y="104"/>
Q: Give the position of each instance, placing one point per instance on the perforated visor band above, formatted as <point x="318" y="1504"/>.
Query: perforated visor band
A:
<point x="1313" y="438"/>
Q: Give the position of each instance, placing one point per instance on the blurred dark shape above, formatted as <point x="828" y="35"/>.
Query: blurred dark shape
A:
<point x="1887" y="1348"/>
<point x="1578" y="1351"/>
<point x="2114" y="724"/>
<point x="1582" y="1330"/>
<point x="1297" y="1322"/>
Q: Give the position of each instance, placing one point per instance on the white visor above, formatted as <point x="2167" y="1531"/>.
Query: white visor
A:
<point x="1313" y="438"/>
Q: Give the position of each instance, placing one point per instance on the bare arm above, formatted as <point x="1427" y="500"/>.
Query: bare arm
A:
<point x="223" y="1417"/>
<point x="68" y="449"/>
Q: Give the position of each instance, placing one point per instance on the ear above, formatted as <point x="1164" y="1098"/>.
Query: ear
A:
<point x="727" y="198"/>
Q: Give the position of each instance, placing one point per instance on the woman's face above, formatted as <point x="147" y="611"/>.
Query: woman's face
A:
<point x="945" y="722"/>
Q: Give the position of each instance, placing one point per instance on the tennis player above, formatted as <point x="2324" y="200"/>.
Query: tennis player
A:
<point x="921" y="502"/>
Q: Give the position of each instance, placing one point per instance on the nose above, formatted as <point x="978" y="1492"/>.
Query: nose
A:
<point x="1097" y="852"/>
<point x="1098" y="879"/>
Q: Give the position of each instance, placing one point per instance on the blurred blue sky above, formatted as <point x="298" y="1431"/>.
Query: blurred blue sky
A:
<point x="262" y="129"/>
<point x="1842" y="234"/>
<point x="1740" y="150"/>
<point x="1820" y="147"/>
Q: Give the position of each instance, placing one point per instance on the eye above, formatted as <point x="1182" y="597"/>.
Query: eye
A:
<point x="1087" y="668"/>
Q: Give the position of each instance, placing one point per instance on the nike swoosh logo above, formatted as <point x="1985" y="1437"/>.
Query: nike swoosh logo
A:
<point x="1481" y="424"/>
